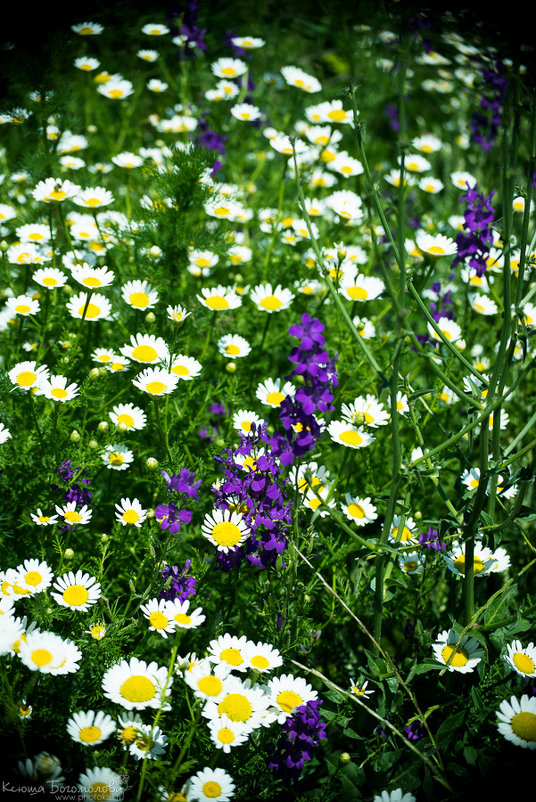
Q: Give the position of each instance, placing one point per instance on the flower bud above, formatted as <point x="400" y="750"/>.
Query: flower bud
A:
<point x="75" y="436"/>
<point x="69" y="554"/>
<point x="344" y="758"/>
<point x="94" y="373"/>
<point x="230" y="367"/>
<point x="103" y="426"/>
<point x="104" y="538"/>
<point x="93" y="444"/>
<point x="151" y="463"/>
<point x="149" y="317"/>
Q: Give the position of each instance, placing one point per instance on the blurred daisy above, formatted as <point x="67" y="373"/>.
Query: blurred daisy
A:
<point x="48" y="653"/>
<point x="346" y="434"/>
<point x="180" y="615"/>
<point x="248" y="42"/>
<point x="287" y="693"/>
<point x="139" y="295"/>
<point x="272" y="393"/>
<point x="243" y="419"/>
<point x="156" y="381"/>
<point x="411" y="562"/>
<point x="23" y="305"/>
<point x="49" y="277"/>
<point x="93" y="198"/>
<point x="449" y="328"/>
<point x="136" y="685"/>
<point x="27" y="376"/>
<point x="91" y="307"/>
<point x="245" y="111"/>
<point x="56" y="389"/>
<point x="177" y="314"/>
<point x="233" y="346"/>
<point x="35" y="574"/>
<point x="427" y="143"/>
<point x="463" y="656"/>
<point x="5" y="434"/>
<point x="116" y="89"/>
<point x="54" y="190"/>
<point x="226" y="733"/>
<point x="416" y="164"/>
<point x="203" y="259"/>
<point x="269" y="299"/>
<point x="90" y="728"/>
<point x="360" y="689"/>
<point x="521" y="658"/>
<point x="146" y="348"/>
<point x="365" y="410"/>
<point x="149" y="744"/>
<point x="435" y="245"/>
<point x="225" y="530"/>
<point x="219" y="298"/>
<point x="185" y="367"/>
<point x="463" y="180"/>
<point x="159" y="619"/>
<point x="359" y="510"/>
<point x="155" y="85"/>
<point x="207" y="680"/>
<point x="34" y="232"/>
<point x="87" y="28"/>
<point x="127" y="160"/>
<point x="211" y="785"/>
<point x="43" y="520"/>
<point x="154" y="29"/>
<point x="148" y="55"/>
<point x="294" y="76"/>
<point x="430" y="185"/>
<point x="72" y="516"/>
<point x="483" y="305"/>
<point x="228" y="67"/>
<point x="86" y="63"/>
<point x="76" y="591"/>
<point x="131" y="417"/>
<point x="482" y="560"/>
<point x="130" y="512"/>
<point x="517" y="721"/>
<point x="101" y="783"/>
<point x="361" y="288"/>
<point x="409" y="531"/>
<point x="117" y="457"/>
<point x="103" y="355"/>
<point x="397" y="795"/>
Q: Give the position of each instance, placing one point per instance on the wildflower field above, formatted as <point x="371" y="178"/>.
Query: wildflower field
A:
<point x="267" y="420"/>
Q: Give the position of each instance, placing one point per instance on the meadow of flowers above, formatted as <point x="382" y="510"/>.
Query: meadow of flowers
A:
<point x="267" y="424"/>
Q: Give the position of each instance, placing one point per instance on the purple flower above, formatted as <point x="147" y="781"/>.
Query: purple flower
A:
<point x="486" y="122"/>
<point x="170" y="517"/>
<point x="77" y="491"/>
<point x="302" y="733"/>
<point x="180" y="587"/>
<point x="184" y="482"/>
<point x="473" y="243"/>
<point x="430" y="540"/>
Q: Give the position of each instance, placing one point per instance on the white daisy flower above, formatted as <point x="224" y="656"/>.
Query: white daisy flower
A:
<point x="27" y="375"/>
<point x="185" y="367"/>
<point x="22" y="305"/>
<point x="156" y="381"/>
<point x="90" y="307"/>
<point x="360" y="689"/>
<point x="287" y="692"/>
<point x="365" y="410"/>
<point x="56" y="388"/>
<point x="101" y="783"/>
<point x="117" y="457"/>
<point x="361" y="288"/>
<point x="54" y="190"/>
<point x="348" y="435"/>
<point x="207" y="680"/>
<point x="211" y="785"/>
<point x="159" y="618"/>
<point x="177" y="313"/>
<point x="244" y="418"/>
<point x="409" y="532"/>
<point x="242" y="703"/>
<point x="130" y="512"/>
<point x="359" y="510"/>
<point x="228" y="67"/>
<point x="48" y="653"/>
<point x="219" y="298"/>
<point x="226" y="734"/>
<point x="146" y="348"/>
<point x="136" y="685"/>
<point x="130" y="417"/>
<point x="521" y="658"/>
<point x="149" y="744"/>
<point x="49" y="277"/>
<point x="77" y="591"/>
<point x="72" y="516"/>
<point x="90" y="728"/>
<point x="233" y="346"/>
<point x="271" y="299"/>
<point x="263" y="657"/>
<point x="182" y="617"/>
<point x="272" y="393"/>
<point x="139" y="295"/>
<point x="231" y="651"/>
<point x="411" y="562"/>
<point x="225" y="530"/>
<point x="5" y="434"/>
<point x="463" y="656"/>
<point x="397" y="795"/>
<point x="517" y="721"/>
<point x="35" y="575"/>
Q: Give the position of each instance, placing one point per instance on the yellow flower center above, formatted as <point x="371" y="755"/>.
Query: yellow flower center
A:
<point x="58" y="392"/>
<point x="26" y="378"/>
<point x="180" y="370"/>
<point x="90" y="734"/>
<point x="183" y="618"/>
<point x="221" y="211"/>
<point x="128" y="735"/>
<point x="115" y="93"/>
<point x="236" y="706"/>
<point x="91" y="281"/>
<point x="217" y="302"/>
<point x="232" y="656"/>
<point x="131" y="517"/>
<point x="116" y="458"/>
<point x="75" y="595"/>
<point x="57" y="194"/>
<point x="92" y="311"/>
<point x="139" y="299"/>
<point x="436" y="249"/>
<point x="226" y="533"/>
<point x="357" y="293"/>
<point x="212" y="789"/>
<point x="524" y="726"/>
<point x="523" y="663"/>
<point x="126" y="419"/>
<point x="155" y="388"/>
<point x="72" y="517"/>
<point x="158" y="620"/>
<point x="288" y="700"/>
<point x="271" y="302"/>
<point x="145" y="353"/>
<point x="260" y="662"/>
<point x="356" y="510"/>
<point x="99" y="792"/>
<point x="351" y="438"/>
<point x="459" y="564"/>
<point x="337" y="115"/>
<point x="22" y="309"/>
<point x="410" y="565"/>
<point x="406" y="533"/>
<point x="459" y="659"/>
<point x="233" y="350"/>
<point x="33" y="578"/>
<point x="138" y="689"/>
<point x="230" y="71"/>
<point x="274" y="398"/>
<point x="41" y="657"/>
<point x="210" y="686"/>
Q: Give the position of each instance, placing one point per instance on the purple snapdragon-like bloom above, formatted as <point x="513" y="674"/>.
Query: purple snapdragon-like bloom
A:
<point x="77" y="491"/>
<point x="302" y="733"/>
<point x="474" y="242"/>
<point x="180" y="586"/>
<point x="297" y="414"/>
<point x="430" y="540"/>
<point x="486" y="122"/>
<point x="170" y="516"/>
<point x="414" y="731"/>
<point x="188" y="28"/>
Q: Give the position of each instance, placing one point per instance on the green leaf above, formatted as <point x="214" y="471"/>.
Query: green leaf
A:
<point x="449" y="728"/>
<point x="470" y="754"/>
<point x="350" y="733"/>
<point x="498" y="609"/>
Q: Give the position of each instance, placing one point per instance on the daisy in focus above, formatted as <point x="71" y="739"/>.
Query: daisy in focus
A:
<point x="462" y="656"/>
